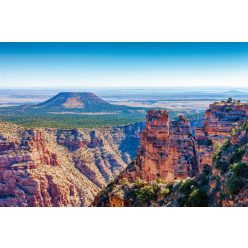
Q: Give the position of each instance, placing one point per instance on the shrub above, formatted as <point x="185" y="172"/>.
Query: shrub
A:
<point x="234" y="185"/>
<point x="123" y="181"/>
<point x="240" y="169"/>
<point x="186" y="186"/>
<point x="145" y="195"/>
<point x="223" y="165"/>
<point x="238" y="154"/>
<point x="161" y="180"/>
<point x="139" y="183"/>
<point x="234" y="131"/>
<point x="198" y="198"/>
<point x="245" y="126"/>
<point x="216" y="150"/>
<point x="207" y="170"/>
<point x="164" y="192"/>
<point x="228" y="109"/>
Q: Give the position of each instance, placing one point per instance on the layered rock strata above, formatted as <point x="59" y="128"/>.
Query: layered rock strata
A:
<point x="168" y="149"/>
<point x="49" y="167"/>
<point x="220" y="119"/>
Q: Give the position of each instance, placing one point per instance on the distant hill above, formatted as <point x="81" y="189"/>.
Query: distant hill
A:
<point x="72" y="103"/>
<point x="78" y="102"/>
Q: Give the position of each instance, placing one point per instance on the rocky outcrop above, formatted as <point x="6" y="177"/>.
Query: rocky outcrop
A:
<point x="71" y="139"/>
<point x="170" y="152"/>
<point x="220" y="118"/>
<point x="166" y="149"/>
<point x="28" y="152"/>
<point x="225" y="183"/>
<point x="49" y="167"/>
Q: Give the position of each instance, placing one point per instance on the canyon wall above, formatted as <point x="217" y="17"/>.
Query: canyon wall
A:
<point x="166" y="149"/>
<point x="169" y="151"/>
<point x="220" y="118"/>
<point x="54" y="167"/>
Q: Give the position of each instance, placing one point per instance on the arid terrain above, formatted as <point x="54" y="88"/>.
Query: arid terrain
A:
<point x="56" y="167"/>
<point x="76" y="149"/>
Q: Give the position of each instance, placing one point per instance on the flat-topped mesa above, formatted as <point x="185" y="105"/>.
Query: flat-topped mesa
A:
<point x="166" y="149"/>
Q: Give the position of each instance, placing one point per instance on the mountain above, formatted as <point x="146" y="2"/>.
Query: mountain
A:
<point x="69" y="103"/>
<point x="175" y="168"/>
<point x="61" y="167"/>
<point x="78" y="102"/>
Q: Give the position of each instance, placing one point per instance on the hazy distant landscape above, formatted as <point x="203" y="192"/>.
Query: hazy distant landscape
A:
<point x="188" y="101"/>
<point x="184" y="98"/>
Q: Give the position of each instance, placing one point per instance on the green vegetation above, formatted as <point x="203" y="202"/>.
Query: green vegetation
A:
<point x="237" y="180"/>
<point x="240" y="169"/>
<point x="228" y="109"/>
<point x="222" y="157"/>
<point x="216" y="149"/>
<point x="228" y="154"/>
<point x="165" y="192"/>
<point x="229" y="161"/>
<point x="234" y="185"/>
<point x="238" y="154"/>
<point x="198" y="198"/>
<point x="245" y="126"/>
<point x="205" y="189"/>
<point x="146" y="194"/>
<point x="73" y="121"/>
<point x="193" y="193"/>
<point x="45" y="120"/>
<point x="189" y="192"/>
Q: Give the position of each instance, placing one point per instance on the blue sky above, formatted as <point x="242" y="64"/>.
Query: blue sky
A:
<point x="123" y="65"/>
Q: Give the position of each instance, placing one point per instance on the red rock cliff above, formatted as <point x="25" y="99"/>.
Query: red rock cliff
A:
<point x="49" y="167"/>
<point x="220" y="118"/>
<point x="166" y="149"/>
<point x="169" y="151"/>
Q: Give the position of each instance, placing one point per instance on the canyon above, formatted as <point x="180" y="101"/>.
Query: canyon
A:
<point x="61" y="167"/>
<point x="170" y="151"/>
<point x="164" y="162"/>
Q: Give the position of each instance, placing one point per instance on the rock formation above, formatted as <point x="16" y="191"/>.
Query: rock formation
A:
<point x="166" y="149"/>
<point x="71" y="102"/>
<point x="50" y="167"/>
<point x="220" y="118"/>
<point x="169" y="151"/>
